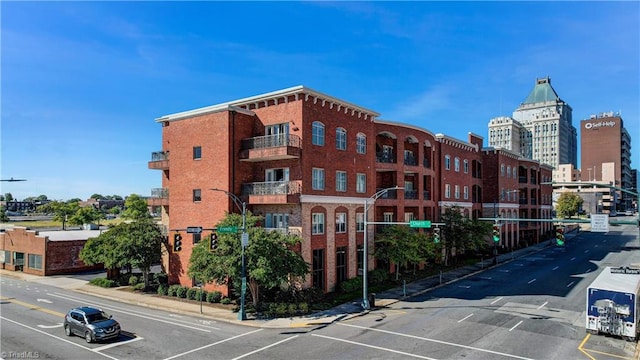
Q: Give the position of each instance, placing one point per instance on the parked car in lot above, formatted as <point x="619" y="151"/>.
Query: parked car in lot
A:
<point x="91" y="323"/>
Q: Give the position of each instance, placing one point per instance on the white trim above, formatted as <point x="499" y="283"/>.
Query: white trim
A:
<point x="332" y="199"/>
<point x="442" y="204"/>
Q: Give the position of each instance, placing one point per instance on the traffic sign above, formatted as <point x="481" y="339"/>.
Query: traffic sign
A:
<point x="227" y="229"/>
<point x="194" y="230"/>
<point x="420" y="223"/>
<point x="599" y="223"/>
<point x="245" y="239"/>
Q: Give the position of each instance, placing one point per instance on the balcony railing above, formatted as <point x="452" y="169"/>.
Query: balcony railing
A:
<point x="159" y="155"/>
<point x="410" y="160"/>
<point x="410" y="194"/>
<point x="272" y="188"/>
<point x="426" y="163"/>
<point x="269" y="141"/>
<point x="286" y="230"/>
<point x="426" y="195"/>
<point x="160" y="193"/>
<point x="385" y="158"/>
<point x="159" y="160"/>
<point x="389" y="194"/>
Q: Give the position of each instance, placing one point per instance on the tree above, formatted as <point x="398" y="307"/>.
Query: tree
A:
<point x="460" y="233"/>
<point x="3" y="214"/>
<point x="568" y="205"/>
<point x="60" y="210"/>
<point x="138" y="244"/>
<point x="135" y="208"/>
<point x="400" y="245"/>
<point x="8" y="197"/>
<point x="96" y="197"/>
<point x="270" y="258"/>
<point x="86" y="215"/>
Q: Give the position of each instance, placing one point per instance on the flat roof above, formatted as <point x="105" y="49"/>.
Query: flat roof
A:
<point x="68" y="235"/>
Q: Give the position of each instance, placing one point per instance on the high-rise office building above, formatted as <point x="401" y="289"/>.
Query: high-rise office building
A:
<point x="540" y="128"/>
<point x="606" y="154"/>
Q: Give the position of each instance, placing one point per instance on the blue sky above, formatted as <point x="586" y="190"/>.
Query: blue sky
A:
<point x="83" y="82"/>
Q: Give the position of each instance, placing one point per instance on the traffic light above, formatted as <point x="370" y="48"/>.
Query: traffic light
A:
<point x="436" y="235"/>
<point x="559" y="235"/>
<point x="496" y="233"/>
<point x="177" y="242"/>
<point x="213" y="244"/>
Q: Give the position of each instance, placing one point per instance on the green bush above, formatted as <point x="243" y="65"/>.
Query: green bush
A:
<point x="201" y="295"/>
<point x="163" y="289"/>
<point x="133" y="280"/>
<point x="225" y="301"/>
<point x="191" y="293"/>
<point x="293" y="309"/>
<point x="303" y="307"/>
<point x="182" y="292"/>
<point x="351" y="285"/>
<point x="214" y="297"/>
<point x="173" y="290"/>
<point x="378" y="276"/>
<point x="162" y="278"/>
<point x="103" y="282"/>
<point x="138" y="286"/>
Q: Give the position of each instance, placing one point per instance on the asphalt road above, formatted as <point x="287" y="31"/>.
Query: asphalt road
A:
<point x="529" y="308"/>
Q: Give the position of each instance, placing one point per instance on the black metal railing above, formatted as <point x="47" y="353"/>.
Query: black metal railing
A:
<point x="160" y="193"/>
<point x="159" y="155"/>
<point x="385" y="158"/>
<point x="410" y="194"/>
<point x="272" y="188"/>
<point x="410" y="160"/>
<point x="269" y="141"/>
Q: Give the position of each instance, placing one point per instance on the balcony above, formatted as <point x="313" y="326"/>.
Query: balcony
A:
<point x="159" y="160"/>
<point x="385" y="157"/>
<point x="159" y="197"/>
<point x="410" y="160"/>
<point x="271" y="147"/>
<point x="286" y="230"/>
<point x="273" y="192"/>
<point x="410" y="194"/>
<point x="389" y="194"/>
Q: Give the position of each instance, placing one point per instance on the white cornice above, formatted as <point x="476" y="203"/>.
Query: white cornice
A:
<point x="320" y="199"/>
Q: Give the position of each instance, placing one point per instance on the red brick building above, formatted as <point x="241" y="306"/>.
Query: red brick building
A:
<point x="307" y="162"/>
<point x="44" y="252"/>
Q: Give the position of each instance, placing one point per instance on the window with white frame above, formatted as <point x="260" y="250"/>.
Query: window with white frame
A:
<point x="276" y="220"/>
<point x="508" y="171"/>
<point x="501" y="169"/>
<point x="361" y="183"/>
<point x="387" y="216"/>
<point x="341" y="139"/>
<point x="457" y="191"/>
<point x="447" y="162"/>
<point x="317" y="133"/>
<point x="361" y="144"/>
<point x="465" y="166"/>
<point x="35" y="261"/>
<point x="447" y="191"/>
<point x="317" y="223"/>
<point x="341" y="181"/>
<point x="465" y="192"/>
<point x="317" y="180"/>
<point x="341" y="222"/>
<point x="360" y="222"/>
<point x="456" y="164"/>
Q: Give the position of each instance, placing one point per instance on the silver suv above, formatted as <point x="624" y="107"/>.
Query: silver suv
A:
<point x="91" y="323"/>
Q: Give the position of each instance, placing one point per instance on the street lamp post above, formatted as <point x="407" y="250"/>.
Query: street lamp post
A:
<point x="242" y="314"/>
<point x="365" y="255"/>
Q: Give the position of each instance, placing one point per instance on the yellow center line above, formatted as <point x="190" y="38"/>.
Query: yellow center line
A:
<point x="32" y="307"/>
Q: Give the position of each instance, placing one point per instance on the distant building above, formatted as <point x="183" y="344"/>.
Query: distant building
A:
<point x="44" y="252"/>
<point x="541" y="128"/>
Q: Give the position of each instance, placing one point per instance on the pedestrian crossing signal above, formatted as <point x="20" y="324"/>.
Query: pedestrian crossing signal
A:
<point x="177" y="242"/>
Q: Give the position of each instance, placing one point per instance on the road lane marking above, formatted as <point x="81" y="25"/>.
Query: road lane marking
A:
<point x="136" y="313"/>
<point x="541" y="306"/>
<point x="465" y="286"/>
<point x="573" y="258"/>
<point x="266" y="347"/>
<point x="212" y="344"/>
<point x="486" y="277"/>
<point x="31" y="306"/>
<point x="56" y="337"/>
<point x="109" y="346"/>
<point x="44" y="301"/>
<point x="465" y="318"/>
<point x="50" y="326"/>
<point x="374" y="347"/>
<point x="571" y="283"/>
<point x="433" y="340"/>
<point x="496" y="300"/>
<point x="516" y="325"/>
<point x="530" y="281"/>
<point x="555" y="268"/>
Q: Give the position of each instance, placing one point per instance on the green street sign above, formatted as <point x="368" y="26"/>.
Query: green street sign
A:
<point x="420" y="223"/>
<point x="227" y="229"/>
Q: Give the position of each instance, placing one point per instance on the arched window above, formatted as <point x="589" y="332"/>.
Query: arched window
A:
<point x="361" y="143"/>
<point x="447" y="162"/>
<point x="317" y="135"/>
<point x="341" y="139"/>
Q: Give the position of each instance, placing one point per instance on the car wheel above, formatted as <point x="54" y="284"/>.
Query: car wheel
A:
<point x="67" y="330"/>
<point x="87" y="336"/>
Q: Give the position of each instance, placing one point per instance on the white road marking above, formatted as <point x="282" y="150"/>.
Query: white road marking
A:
<point x="50" y="326"/>
<point x="516" y="325"/>
<point x="213" y="344"/>
<point x="541" y="306"/>
<point x="45" y="301"/>
<point x="504" y="270"/>
<point x="175" y="315"/>
<point x="465" y="318"/>
<point x="486" y="277"/>
<point x="109" y="346"/>
<point x="555" y="268"/>
<point x="496" y="300"/>
<point x="573" y="258"/>
<point x="571" y="283"/>
<point x="531" y="281"/>
<point x="56" y="337"/>
<point x="265" y="347"/>
<point x="433" y="340"/>
<point x="464" y="286"/>
<point x="374" y="347"/>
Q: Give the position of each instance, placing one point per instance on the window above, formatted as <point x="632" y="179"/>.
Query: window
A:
<point x="341" y="139"/>
<point x="360" y="222"/>
<point x="272" y="220"/>
<point x="318" y="179"/>
<point x="457" y="191"/>
<point x="317" y="133"/>
<point x="341" y="223"/>
<point x="341" y="181"/>
<point x="465" y="166"/>
<point x="361" y="183"/>
<point x="5" y="257"/>
<point x="341" y="264"/>
<point x="387" y="216"/>
<point x="456" y="164"/>
<point x="196" y="238"/>
<point x="447" y="191"/>
<point x="361" y="144"/>
<point x="35" y="261"/>
<point x="317" y="224"/>
<point x="447" y="162"/>
<point x="508" y="171"/>
<point x="466" y="192"/>
<point x="197" y="195"/>
<point x="501" y="169"/>
<point x="197" y="152"/>
<point x="318" y="269"/>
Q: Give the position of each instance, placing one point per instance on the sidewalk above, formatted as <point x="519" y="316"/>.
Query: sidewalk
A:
<point x="338" y="313"/>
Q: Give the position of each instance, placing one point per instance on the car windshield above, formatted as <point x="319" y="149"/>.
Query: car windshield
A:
<point x="97" y="317"/>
